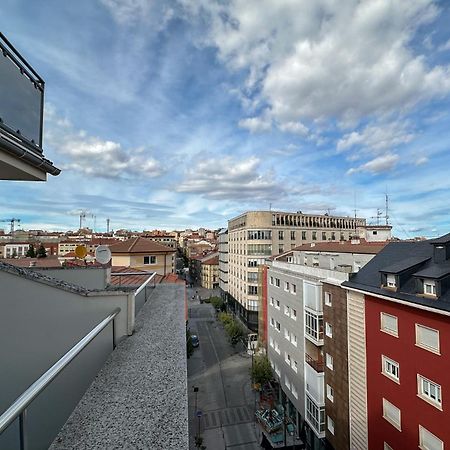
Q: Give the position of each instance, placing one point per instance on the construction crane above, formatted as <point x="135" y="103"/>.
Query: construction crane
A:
<point x="83" y="214"/>
<point x="11" y="222"/>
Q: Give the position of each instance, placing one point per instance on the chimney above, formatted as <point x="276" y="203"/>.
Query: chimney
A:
<point x="439" y="254"/>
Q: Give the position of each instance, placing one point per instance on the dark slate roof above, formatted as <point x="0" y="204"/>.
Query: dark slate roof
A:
<point x="398" y="255"/>
<point x="441" y="240"/>
<point x="435" y="271"/>
<point x="405" y="264"/>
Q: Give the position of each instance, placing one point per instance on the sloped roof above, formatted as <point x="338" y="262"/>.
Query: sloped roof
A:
<point x="342" y="247"/>
<point x="130" y="277"/>
<point x="140" y="245"/>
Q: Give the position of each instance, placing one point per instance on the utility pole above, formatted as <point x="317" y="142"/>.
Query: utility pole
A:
<point x="107" y="225"/>
<point x="387" y="209"/>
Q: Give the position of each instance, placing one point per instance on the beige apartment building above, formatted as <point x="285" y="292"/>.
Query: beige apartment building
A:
<point x="257" y="235"/>
<point x="210" y="271"/>
<point x="144" y="254"/>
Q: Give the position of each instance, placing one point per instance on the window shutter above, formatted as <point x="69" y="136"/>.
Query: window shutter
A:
<point x="429" y="440"/>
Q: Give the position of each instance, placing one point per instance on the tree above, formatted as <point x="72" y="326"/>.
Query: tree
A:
<point x="261" y="370"/>
<point x="41" y="253"/>
<point x="235" y="332"/>
<point x="31" y="253"/>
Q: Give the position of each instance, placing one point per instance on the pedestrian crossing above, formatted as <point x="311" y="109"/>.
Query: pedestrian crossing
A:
<point x="226" y="416"/>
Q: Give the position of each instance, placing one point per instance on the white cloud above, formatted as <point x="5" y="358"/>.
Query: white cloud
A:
<point x="377" y="137"/>
<point x="445" y="46"/>
<point x="342" y="60"/>
<point x="294" y="127"/>
<point x="256" y="124"/>
<point x="229" y="178"/>
<point x="380" y="164"/>
<point x="93" y="156"/>
<point x="421" y="160"/>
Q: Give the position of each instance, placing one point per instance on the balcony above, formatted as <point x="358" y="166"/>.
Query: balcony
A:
<point x="312" y="296"/>
<point x="21" y="118"/>
<point x="315" y="416"/>
<point x="314" y="327"/>
<point x="316" y="363"/>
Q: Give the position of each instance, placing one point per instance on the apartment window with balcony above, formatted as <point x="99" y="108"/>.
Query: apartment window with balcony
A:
<point x="427" y="338"/>
<point x="329" y="329"/>
<point x="389" y="324"/>
<point x="390" y="368"/>
<point x="292" y="235"/>
<point x="277" y="304"/>
<point x="428" y="441"/>
<point x="328" y="301"/>
<point x="392" y="414"/>
<point x="293" y="339"/>
<point x="330" y="393"/>
<point x="293" y="314"/>
<point x="429" y="391"/>
<point x="293" y="288"/>
<point x="313" y="326"/>
<point x="315" y="415"/>
<point x="280" y="235"/>
<point x="314" y="235"/>
<point x="330" y="425"/>
<point x="329" y="361"/>
<point x="304" y="235"/>
<point x="150" y="259"/>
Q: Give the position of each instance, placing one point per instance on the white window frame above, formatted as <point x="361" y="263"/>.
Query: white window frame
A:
<point x="286" y="286"/>
<point x="277" y="282"/>
<point x="271" y="281"/>
<point x="294" y="340"/>
<point x="277" y="304"/>
<point x="272" y="322"/>
<point x="287" y="358"/>
<point x="330" y="393"/>
<point x="432" y="285"/>
<point x="423" y="446"/>
<point x="329" y="361"/>
<point x="389" y="367"/>
<point x="294" y="366"/>
<point x="271" y="341"/>
<point x="391" y="281"/>
<point x="386" y="446"/>
<point x="330" y="425"/>
<point x="278" y="326"/>
<point x="271" y="301"/>
<point x="287" y="310"/>
<point x="150" y="263"/>
<point x="383" y="328"/>
<point x="287" y="334"/>
<point x="277" y="347"/>
<point x="392" y="420"/>
<point x="293" y="289"/>
<point x="293" y="314"/>
<point x="425" y="384"/>
<point x="328" y="298"/>
<point x="435" y="350"/>
<point x="329" y="329"/>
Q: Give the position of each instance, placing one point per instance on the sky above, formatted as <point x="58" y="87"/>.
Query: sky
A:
<point x="185" y="113"/>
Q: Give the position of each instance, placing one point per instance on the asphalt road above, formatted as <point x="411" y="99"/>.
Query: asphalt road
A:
<point x="222" y="375"/>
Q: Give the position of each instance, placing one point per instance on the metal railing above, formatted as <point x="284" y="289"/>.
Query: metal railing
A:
<point x="19" y="407"/>
<point x="315" y="363"/>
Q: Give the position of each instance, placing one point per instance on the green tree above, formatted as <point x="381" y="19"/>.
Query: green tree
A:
<point x="31" y="253"/>
<point x="41" y="252"/>
<point x="261" y="371"/>
<point x="235" y="332"/>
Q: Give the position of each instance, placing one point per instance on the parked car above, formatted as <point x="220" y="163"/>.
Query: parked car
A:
<point x="195" y="341"/>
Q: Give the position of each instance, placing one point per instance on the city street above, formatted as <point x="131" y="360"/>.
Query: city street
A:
<point x="225" y="401"/>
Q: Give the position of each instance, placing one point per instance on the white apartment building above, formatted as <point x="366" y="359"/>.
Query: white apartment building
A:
<point x="257" y="235"/>
<point x="223" y="263"/>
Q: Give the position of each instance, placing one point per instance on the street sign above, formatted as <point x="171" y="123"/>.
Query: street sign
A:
<point x="199" y="414"/>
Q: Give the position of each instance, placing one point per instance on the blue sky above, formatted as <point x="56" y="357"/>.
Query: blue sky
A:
<point x="186" y="113"/>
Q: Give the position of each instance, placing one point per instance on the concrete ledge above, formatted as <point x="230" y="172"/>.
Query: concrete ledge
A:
<point x="139" y="398"/>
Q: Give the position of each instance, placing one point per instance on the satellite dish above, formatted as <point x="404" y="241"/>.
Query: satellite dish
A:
<point x="102" y="254"/>
<point x="81" y="251"/>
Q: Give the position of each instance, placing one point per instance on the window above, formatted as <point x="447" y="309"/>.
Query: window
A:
<point x="278" y="326"/>
<point x="293" y="314"/>
<point x="386" y="446"/>
<point x="324" y="236"/>
<point x="271" y="301"/>
<point x="428" y="441"/>
<point x="293" y="289"/>
<point x="315" y="415"/>
<point x="287" y="358"/>
<point x="330" y="393"/>
<point x="294" y="392"/>
<point x="292" y="235"/>
<point x="333" y="235"/>
<point x="329" y="361"/>
<point x="253" y="290"/>
<point x="286" y="310"/>
<point x="314" y="235"/>
<point x="280" y="235"/>
<point x="390" y="281"/>
<point x="272" y="322"/>
<point x="287" y="382"/>
<point x="277" y="304"/>
<point x="329" y="329"/>
<point x="330" y="424"/>
<point x="294" y="366"/>
<point x="429" y="391"/>
<point x="304" y="235"/>
<point x="277" y="282"/>
<point x="287" y="335"/>
<point x="293" y="339"/>
<point x="277" y="348"/>
<point x="389" y="324"/>
<point x="390" y="368"/>
<point x="328" y="298"/>
<point x="280" y="248"/>
<point x="271" y="341"/>
<point x="429" y="287"/>
<point x="271" y="281"/>
<point x="427" y="338"/>
<point x="392" y="414"/>
<point x="150" y="259"/>
<point x="286" y="286"/>
<point x="277" y="370"/>
<point x="313" y="326"/>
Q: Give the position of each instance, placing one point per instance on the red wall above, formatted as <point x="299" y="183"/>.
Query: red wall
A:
<point x="412" y="360"/>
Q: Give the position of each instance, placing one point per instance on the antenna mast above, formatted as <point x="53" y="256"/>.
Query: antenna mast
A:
<point x="387" y="209"/>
